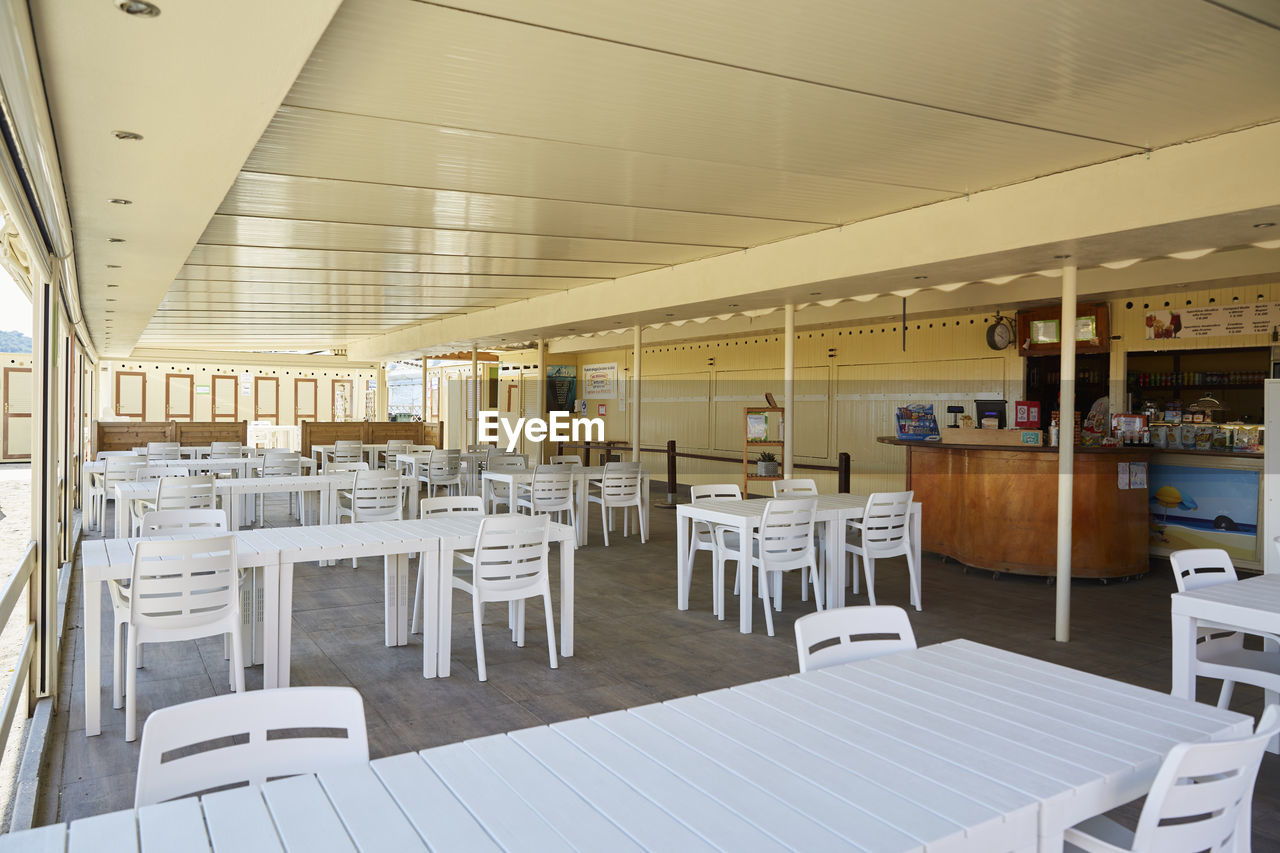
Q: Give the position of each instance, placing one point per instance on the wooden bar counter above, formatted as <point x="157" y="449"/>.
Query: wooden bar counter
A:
<point x="996" y="507"/>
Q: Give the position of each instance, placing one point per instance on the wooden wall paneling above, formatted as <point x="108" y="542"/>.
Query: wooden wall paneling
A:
<point x="179" y="396"/>
<point x="131" y="394"/>
<point x="201" y="433"/>
<point x="126" y="435"/>
<point x="266" y="399"/>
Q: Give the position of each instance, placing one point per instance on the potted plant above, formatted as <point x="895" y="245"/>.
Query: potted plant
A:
<point x="767" y="465"/>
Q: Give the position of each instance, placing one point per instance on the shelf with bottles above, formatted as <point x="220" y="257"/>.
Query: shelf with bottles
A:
<point x="1241" y="380"/>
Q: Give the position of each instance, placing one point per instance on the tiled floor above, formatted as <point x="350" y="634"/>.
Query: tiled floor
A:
<point x="632" y="646"/>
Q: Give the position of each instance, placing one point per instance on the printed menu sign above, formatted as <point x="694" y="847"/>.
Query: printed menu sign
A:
<point x="1212" y="321"/>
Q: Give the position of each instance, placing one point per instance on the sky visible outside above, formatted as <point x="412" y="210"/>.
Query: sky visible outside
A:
<point x="15" y="308"/>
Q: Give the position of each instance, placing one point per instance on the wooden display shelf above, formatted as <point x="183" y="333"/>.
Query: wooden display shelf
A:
<point x="748" y="446"/>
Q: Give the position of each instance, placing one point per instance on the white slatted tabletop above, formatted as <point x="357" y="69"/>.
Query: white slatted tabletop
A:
<point x="833" y="513"/>
<point x="953" y="748"/>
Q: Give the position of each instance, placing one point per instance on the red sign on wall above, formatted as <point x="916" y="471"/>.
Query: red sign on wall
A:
<point x="1026" y="414"/>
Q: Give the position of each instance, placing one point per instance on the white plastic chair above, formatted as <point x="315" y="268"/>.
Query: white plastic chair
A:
<point x="567" y="459"/>
<point x="469" y="504"/>
<point x="248" y="739"/>
<point x="704" y="539"/>
<point x="620" y="489"/>
<point x="394" y="446"/>
<point x="163" y="450"/>
<point x="154" y="523"/>
<point x="551" y="491"/>
<point x="182" y="589"/>
<point x="226" y="450"/>
<point x="784" y="543"/>
<point x="846" y="634"/>
<point x="1201" y="799"/>
<point x="444" y="469"/>
<point x="1220" y="651"/>
<point x="792" y="488"/>
<point x="509" y="564"/>
<point x="803" y="487"/>
<point x="281" y="463"/>
<point x="117" y="469"/>
<point x="375" y="496"/>
<point x="347" y="451"/>
<point x="885" y="531"/>
<point x="500" y="493"/>
<point x="180" y="492"/>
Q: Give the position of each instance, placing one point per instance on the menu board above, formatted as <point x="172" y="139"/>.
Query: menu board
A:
<point x="600" y="381"/>
<point x="1213" y="321"/>
<point x="562" y="389"/>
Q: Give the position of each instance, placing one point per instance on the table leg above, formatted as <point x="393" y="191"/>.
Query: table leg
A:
<point x="122" y="515"/>
<point x="746" y="601"/>
<point x="92" y="657"/>
<point x="583" y="513"/>
<point x="284" y="623"/>
<point x="1184" y="651"/>
<point x="644" y="505"/>
<point x="834" y="562"/>
<point x="429" y="566"/>
<point x="272" y="622"/>
<point x="444" y="610"/>
<point x="684" y="547"/>
<point x="391" y="594"/>
<point x="916" y="516"/>
<point x="566" y="598"/>
<point x="1270" y="696"/>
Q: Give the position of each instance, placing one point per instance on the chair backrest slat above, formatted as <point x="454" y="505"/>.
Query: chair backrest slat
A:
<point x="787" y="488"/>
<point x="376" y="494"/>
<point x="621" y="481"/>
<point x="713" y="491"/>
<point x="249" y="738"/>
<point x="511" y="551"/>
<point x="884" y="521"/>
<point x="786" y="533"/>
<point x="226" y="450"/>
<point x="163" y="450"/>
<point x="183" y="582"/>
<point x="186" y="493"/>
<point x="1194" y="568"/>
<point x="347" y="451"/>
<point x="552" y="487"/>
<point x="453" y="503"/>
<point x="845" y="634"/>
<point x="160" y="521"/>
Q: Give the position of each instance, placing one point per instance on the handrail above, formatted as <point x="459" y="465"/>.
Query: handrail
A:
<point x="22" y="669"/>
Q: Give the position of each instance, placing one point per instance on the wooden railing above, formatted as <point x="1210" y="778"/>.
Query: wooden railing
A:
<point x="17" y="694"/>
<point x="125" y="435"/>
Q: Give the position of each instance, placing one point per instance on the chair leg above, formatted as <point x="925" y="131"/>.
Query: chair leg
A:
<point x="130" y="688"/>
<point x="816" y="577"/>
<point x="551" y="626"/>
<point x="913" y="576"/>
<point x="1224" y="698"/>
<point x="764" y="597"/>
<point x="477" y="608"/>
<point x="869" y="569"/>
<point x="604" y="520"/>
<point x="237" y="661"/>
<point x="520" y="623"/>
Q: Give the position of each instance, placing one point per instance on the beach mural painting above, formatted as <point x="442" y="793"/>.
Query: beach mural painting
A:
<point x="1204" y="508"/>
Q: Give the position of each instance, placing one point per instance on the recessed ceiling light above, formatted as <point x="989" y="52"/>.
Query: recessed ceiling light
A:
<point x="113" y="266"/>
<point x="113" y="285"/>
<point x="815" y="293"/>
<point x="127" y="135"/>
<point x="119" y="201"/>
<point x="1265" y="225"/>
<point x="671" y="315"/>
<point x="138" y="8"/>
<point x="733" y="304"/>
<point x="921" y="277"/>
<point x="1060" y="257"/>
<point x="115" y="239"/>
<point x="110" y="299"/>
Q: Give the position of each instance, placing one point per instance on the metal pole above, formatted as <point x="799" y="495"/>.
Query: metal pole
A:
<point x="542" y="390"/>
<point x="635" y="399"/>
<point x="842" y="473"/>
<point x="1066" y="450"/>
<point x="788" y="390"/>
<point x="425" y="387"/>
<point x="474" y="414"/>
<point x="671" y="471"/>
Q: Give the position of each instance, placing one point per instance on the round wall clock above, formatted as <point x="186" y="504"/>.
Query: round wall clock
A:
<point x="1000" y="333"/>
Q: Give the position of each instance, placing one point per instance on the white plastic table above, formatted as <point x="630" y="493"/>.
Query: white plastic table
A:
<point x="958" y="747"/>
<point x="833" y="511"/>
<point x="583" y="477"/>
<point x="1249" y="605"/>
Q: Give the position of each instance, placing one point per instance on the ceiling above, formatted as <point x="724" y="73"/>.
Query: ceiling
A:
<point x="429" y="161"/>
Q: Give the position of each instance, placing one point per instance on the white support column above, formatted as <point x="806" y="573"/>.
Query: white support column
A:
<point x="1271" y="479"/>
<point x="473" y="416"/>
<point x="788" y="390"/>
<point x="1066" y="450"/>
<point x="635" y="399"/>
<point x="425" y="386"/>
<point x="383" y="403"/>
<point x="541" y="374"/>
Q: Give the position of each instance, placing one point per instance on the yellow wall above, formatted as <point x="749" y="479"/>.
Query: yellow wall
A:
<point x="849" y="380"/>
